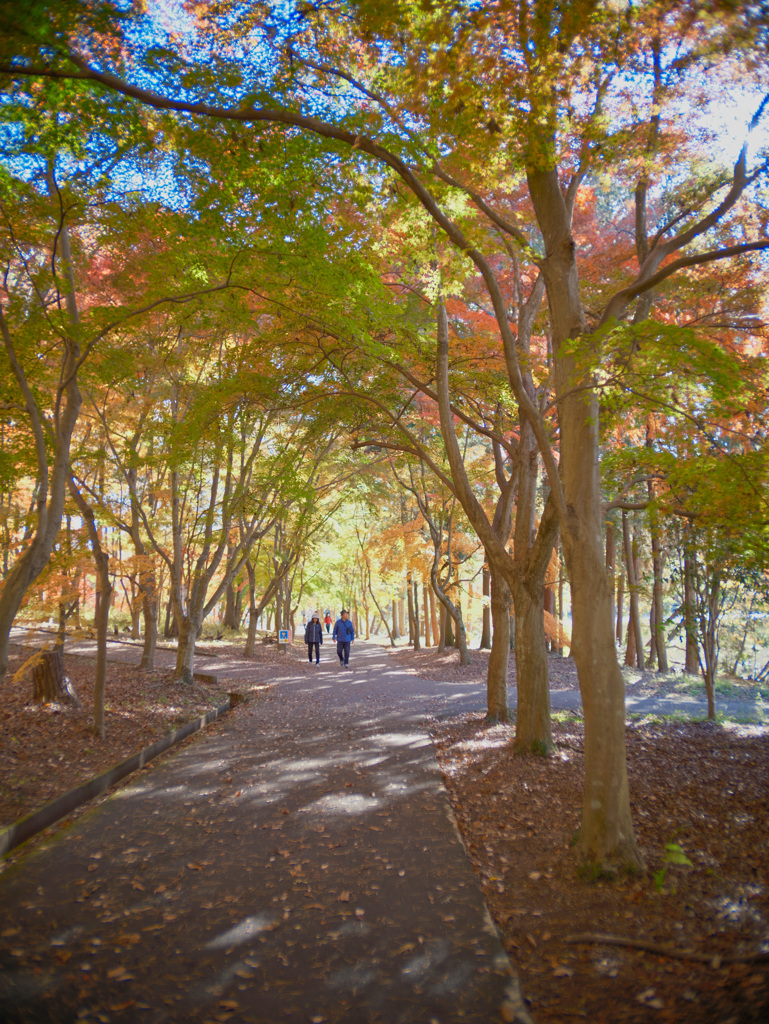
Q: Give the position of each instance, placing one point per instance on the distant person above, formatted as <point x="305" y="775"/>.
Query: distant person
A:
<point x="327" y="620"/>
<point x="344" y="634"/>
<point x="313" y="637"/>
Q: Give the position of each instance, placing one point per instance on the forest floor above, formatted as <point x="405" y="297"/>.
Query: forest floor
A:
<point x="689" y="941"/>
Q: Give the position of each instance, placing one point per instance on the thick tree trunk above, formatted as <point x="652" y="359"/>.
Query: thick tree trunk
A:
<point x="425" y="615"/>
<point x="49" y="683"/>
<point x="631" y="652"/>
<point x="497" y="709"/>
<point x="607" y="827"/>
<point x="448" y="631"/>
<point x="185" y="652"/>
<point x="533" y="730"/>
<point x="441" y="627"/>
<point x="136" y="613"/>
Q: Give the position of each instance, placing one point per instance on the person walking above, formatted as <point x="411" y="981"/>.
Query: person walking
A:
<point x="344" y="634"/>
<point x="327" y="620"/>
<point x="313" y="637"/>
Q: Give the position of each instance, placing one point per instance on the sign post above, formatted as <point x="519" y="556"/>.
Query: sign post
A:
<point x="284" y="637"/>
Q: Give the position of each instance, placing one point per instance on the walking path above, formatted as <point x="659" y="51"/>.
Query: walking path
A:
<point x="299" y="863"/>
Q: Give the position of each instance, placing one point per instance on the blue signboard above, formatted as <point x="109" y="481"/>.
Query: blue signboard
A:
<point x="283" y="636"/>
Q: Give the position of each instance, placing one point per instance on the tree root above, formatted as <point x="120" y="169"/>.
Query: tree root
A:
<point x="653" y="947"/>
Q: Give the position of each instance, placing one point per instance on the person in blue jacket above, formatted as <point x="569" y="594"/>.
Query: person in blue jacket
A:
<point x="313" y="637"/>
<point x="344" y="634"/>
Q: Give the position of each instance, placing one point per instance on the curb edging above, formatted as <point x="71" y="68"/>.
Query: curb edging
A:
<point x="23" y="829"/>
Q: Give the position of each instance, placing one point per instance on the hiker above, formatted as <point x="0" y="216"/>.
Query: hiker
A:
<point x="313" y="637"/>
<point x="327" y="620"/>
<point x="344" y="634"/>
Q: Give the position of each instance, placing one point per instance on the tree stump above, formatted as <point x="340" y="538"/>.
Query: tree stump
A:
<point x="49" y="684"/>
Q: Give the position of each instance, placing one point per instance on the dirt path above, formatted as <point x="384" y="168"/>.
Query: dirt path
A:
<point x="299" y="863"/>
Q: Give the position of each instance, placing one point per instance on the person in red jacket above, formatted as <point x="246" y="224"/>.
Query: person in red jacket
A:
<point x="328" y="621"/>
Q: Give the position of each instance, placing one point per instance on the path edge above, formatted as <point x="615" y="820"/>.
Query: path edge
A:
<point x="28" y="826"/>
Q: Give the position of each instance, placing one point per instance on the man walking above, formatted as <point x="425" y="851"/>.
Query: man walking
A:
<point x="344" y="634"/>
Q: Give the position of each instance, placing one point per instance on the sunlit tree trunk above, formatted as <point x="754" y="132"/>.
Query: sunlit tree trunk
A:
<point x="607" y="827"/>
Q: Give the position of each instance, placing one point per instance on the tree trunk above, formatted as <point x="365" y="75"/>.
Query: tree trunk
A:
<point x="396" y="630"/>
<point x="185" y="652"/>
<point x="548" y="605"/>
<point x="136" y="617"/>
<point x="413" y="628"/>
<point x="611" y="567"/>
<point x="496" y="679"/>
<point x="708" y="616"/>
<point x="231" y="618"/>
<point x="448" y="631"/>
<point x="533" y="730"/>
<point x="620" y="606"/>
<point x="426" y="615"/>
<point x="433" y="618"/>
<point x="414" y="593"/>
<point x="49" y="684"/>
<point x="560" y="606"/>
<point x="690" y="623"/>
<point x="607" y="826"/>
<point x="103" y="595"/>
<point x="150" y="607"/>
<point x="250" y="647"/>
<point x="390" y="633"/>
<point x="441" y="627"/>
<point x="658" y="636"/>
<point x="485" y="644"/>
<point x="631" y="550"/>
<point x="631" y="653"/>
